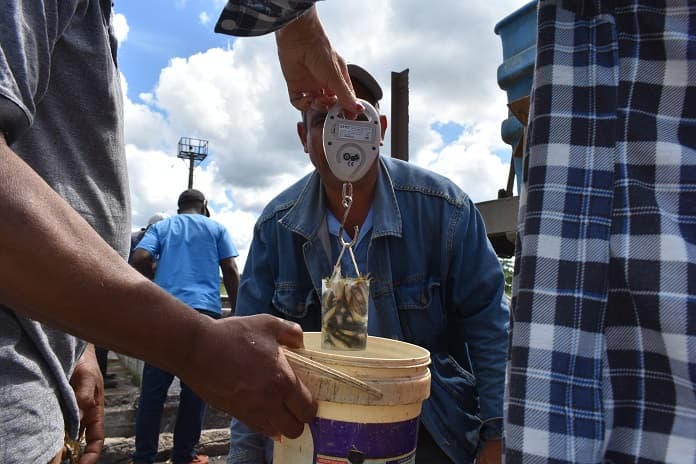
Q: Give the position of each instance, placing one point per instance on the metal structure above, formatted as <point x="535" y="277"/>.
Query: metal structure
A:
<point x="399" y="112"/>
<point x="517" y="33"/>
<point x="499" y="215"/>
<point x="193" y="150"/>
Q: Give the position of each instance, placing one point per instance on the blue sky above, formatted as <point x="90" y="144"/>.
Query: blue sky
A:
<point x="165" y="29"/>
<point x="450" y="131"/>
<point x="160" y="30"/>
<point x="182" y="79"/>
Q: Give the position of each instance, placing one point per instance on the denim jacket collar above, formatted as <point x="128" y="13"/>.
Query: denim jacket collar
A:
<point x="307" y="214"/>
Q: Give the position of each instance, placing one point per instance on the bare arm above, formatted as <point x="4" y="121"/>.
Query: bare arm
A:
<point x="89" y="390"/>
<point x="491" y="452"/>
<point x="43" y="240"/>
<point x="230" y="278"/>
<point x="143" y="262"/>
<point x="315" y="73"/>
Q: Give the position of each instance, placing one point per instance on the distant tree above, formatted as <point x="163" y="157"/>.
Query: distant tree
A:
<point x="508" y="269"/>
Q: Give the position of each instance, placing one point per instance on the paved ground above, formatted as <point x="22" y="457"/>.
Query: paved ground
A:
<point x="213" y="460"/>
<point x="121" y="400"/>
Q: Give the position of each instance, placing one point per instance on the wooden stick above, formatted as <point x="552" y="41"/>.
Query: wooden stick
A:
<point x="332" y="373"/>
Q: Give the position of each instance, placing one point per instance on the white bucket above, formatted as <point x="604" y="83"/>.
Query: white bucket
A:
<point x="352" y="426"/>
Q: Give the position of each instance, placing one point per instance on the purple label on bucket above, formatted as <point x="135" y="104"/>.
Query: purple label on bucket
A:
<point x="354" y="443"/>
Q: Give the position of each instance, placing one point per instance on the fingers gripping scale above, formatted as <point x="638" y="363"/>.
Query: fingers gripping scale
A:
<point x="351" y="146"/>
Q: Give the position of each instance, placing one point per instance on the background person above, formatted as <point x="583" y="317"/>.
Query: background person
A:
<point x="444" y="295"/>
<point x="191" y="249"/>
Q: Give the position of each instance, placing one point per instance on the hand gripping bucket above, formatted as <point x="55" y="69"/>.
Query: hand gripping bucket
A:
<point x="354" y="426"/>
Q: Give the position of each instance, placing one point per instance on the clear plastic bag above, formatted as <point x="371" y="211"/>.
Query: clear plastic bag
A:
<point x="344" y="307"/>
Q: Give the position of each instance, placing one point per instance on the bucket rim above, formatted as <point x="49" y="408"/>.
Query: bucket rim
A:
<point x="419" y="356"/>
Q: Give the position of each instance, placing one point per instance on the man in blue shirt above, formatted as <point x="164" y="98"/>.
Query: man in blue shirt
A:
<point x="191" y="248"/>
<point x="434" y="281"/>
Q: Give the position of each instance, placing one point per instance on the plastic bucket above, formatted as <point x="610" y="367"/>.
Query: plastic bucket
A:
<point x="352" y="426"/>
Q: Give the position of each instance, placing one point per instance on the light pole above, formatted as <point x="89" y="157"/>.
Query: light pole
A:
<point x="194" y="150"/>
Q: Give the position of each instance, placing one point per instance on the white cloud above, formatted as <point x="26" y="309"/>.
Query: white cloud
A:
<point x="156" y="180"/>
<point x="240" y="225"/>
<point x="147" y="98"/>
<point x="236" y="99"/>
<point x="469" y="161"/>
<point x="204" y="18"/>
<point x="146" y="128"/>
<point x="120" y="24"/>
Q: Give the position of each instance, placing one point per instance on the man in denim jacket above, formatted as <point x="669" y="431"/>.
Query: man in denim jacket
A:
<point x="435" y="281"/>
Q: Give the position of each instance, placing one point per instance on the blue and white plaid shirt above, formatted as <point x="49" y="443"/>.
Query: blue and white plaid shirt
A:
<point x="256" y="17"/>
<point x="603" y="360"/>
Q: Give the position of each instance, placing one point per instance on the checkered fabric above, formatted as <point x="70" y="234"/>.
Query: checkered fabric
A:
<point x="603" y="354"/>
<point x="258" y="17"/>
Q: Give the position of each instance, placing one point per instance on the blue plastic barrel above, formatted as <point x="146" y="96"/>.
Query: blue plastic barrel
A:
<point x="517" y="32"/>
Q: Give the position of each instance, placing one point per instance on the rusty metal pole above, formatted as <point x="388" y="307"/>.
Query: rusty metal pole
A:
<point x="399" y="115"/>
<point x="191" y="167"/>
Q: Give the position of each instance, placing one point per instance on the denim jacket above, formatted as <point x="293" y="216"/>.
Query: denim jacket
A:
<point x="434" y="277"/>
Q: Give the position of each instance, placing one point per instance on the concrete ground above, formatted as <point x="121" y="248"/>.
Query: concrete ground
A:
<point x="213" y="460"/>
<point x="121" y="402"/>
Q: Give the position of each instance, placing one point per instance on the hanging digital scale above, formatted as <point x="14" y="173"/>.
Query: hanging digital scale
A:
<point x="351" y="145"/>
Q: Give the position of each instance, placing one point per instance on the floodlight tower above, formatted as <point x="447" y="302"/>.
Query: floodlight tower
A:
<point x="194" y="150"/>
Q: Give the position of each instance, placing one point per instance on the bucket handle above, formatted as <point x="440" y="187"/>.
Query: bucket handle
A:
<point x="302" y="361"/>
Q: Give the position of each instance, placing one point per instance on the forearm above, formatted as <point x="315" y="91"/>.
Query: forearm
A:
<point x="307" y="21"/>
<point x="231" y="285"/>
<point x="56" y="269"/>
<point x="258" y="18"/>
<point x="230" y="278"/>
<point x="143" y="262"/>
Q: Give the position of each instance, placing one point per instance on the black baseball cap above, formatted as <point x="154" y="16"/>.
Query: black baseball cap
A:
<point x="191" y="196"/>
<point x="358" y="74"/>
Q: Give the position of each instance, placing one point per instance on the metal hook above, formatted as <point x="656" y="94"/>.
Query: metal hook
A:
<point x="347" y="196"/>
<point x="347" y="246"/>
<point x="347" y="203"/>
<point x="353" y="240"/>
<point x="347" y="192"/>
